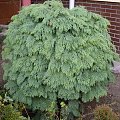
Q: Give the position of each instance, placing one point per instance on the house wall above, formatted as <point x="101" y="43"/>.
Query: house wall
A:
<point x="8" y="8"/>
<point x="110" y="10"/>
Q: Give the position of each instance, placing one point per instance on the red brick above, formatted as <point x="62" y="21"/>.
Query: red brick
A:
<point x="87" y="4"/>
<point x="115" y="31"/>
<point x="111" y="19"/>
<point x="95" y="5"/>
<point x="112" y="27"/>
<point x="115" y="7"/>
<point x="115" y="23"/>
<point x="111" y="11"/>
<point x="114" y="39"/>
<point x="90" y="8"/>
<point x="117" y="36"/>
<point x="77" y="4"/>
<point x="106" y="6"/>
<point x="105" y="14"/>
<point x="96" y="12"/>
<point x="115" y="15"/>
<point x="118" y="12"/>
<point x="100" y="9"/>
<point x="118" y="20"/>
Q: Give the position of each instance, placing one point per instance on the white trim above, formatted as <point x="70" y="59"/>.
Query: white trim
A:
<point x="71" y="4"/>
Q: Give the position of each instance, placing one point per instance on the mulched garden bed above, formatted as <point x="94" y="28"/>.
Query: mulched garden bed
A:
<point x="112" y="99"/>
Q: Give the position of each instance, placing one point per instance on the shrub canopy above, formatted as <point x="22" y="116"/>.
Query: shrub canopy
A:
<point x="56" y="53"/>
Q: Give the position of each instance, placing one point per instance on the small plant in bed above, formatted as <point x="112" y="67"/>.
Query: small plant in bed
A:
<point x="104" y="112"/>
<point x="9" y="109"/>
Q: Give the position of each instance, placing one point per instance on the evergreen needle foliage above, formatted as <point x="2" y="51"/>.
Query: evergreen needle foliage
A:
<point x="104" y="112"/>
<point x="55" y="53"/>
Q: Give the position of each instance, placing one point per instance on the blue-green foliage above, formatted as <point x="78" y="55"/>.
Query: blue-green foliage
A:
<point x="56" y="53"/>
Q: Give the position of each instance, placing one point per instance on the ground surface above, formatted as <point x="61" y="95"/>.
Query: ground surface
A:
<point x="112" y="99"/>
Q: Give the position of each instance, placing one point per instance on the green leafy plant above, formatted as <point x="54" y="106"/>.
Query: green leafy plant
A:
<point x="104" y="112"/>
<point x="8" y="111"/>
<point x="55" y="54"/>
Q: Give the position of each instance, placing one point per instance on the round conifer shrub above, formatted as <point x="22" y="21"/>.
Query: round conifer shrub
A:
<point x="56" y="54"/>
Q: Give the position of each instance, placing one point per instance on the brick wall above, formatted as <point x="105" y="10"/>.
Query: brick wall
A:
<point x="110" y="10"/>
<point x="65" y="2"/>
